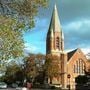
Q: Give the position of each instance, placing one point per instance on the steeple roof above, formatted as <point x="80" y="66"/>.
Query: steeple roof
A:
<point x="55" y="23"/>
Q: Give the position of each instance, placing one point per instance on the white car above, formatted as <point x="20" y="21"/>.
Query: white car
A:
<point x="3" y="85"/>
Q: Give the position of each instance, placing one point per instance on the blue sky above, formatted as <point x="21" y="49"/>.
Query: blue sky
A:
<point x="75" y="21"/>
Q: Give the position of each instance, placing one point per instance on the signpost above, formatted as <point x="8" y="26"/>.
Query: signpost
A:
<point x="69" y="76"/>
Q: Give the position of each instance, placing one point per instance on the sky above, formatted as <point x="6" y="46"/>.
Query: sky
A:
<point x="75" y="21"/>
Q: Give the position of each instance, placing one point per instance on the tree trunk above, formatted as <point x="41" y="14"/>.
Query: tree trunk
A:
<point x="50" y="80"/>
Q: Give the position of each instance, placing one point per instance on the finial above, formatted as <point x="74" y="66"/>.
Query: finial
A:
<point x="55" y="6"/>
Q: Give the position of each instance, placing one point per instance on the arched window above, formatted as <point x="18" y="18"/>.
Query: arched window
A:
<point x="74" y="69"/>
<point x="57" y="43"/>
<point x="76" y="66"/>
<point x="79" y="67"/>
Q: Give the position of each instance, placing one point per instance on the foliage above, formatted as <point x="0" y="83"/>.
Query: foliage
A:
<point x="52" y="65"/>
<point x="11" y="41"/>
<point x="88" y="66"/>
<point x="11" y="23"/>
<point x="33" y="64"/>
<point x="81" y="79"/>
<point x="13" y="73"/>
<point x="40" y="59"/>
<point x="15" y="17"/>
<point x="28" y="70"/>
<point x="23" y="10"/>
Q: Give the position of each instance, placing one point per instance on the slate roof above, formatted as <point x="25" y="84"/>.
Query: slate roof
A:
<point x="70" y="54"/>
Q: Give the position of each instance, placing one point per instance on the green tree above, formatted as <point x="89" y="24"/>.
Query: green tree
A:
<point x="81" y="79"/>
<point x="11" y="41"/>
<point x="52" y="66"/>
<point x="23" y="10"/>
<point x="14" y="73"/>
<point x="15" y="15"/>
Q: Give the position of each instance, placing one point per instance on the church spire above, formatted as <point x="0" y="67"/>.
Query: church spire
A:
<point x="55" y="37"/>
<point x="55" y="23"/>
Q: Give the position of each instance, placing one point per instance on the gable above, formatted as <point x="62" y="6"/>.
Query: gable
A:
<point x="70" y="54"/>
<point x="76" y="54"/>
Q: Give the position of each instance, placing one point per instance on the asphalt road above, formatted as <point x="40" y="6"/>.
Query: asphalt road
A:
<point x="21" y="89"/>
<point x="8" y="89"/>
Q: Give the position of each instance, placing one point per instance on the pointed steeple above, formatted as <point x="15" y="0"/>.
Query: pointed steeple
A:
<point x="55" y="23"/>
<point x="55" y="37"/>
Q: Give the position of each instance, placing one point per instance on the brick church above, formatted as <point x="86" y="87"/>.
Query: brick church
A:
<point x="72" y="63"/>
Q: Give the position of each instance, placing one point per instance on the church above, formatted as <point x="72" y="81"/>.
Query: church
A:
<point x="73" y="63"/>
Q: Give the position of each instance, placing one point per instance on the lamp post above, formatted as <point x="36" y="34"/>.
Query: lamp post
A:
<point x="69" y="76"/>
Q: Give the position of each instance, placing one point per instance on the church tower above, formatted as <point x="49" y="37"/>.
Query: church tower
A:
<point x="55" y="37"/>
<point x="55" y="45"/>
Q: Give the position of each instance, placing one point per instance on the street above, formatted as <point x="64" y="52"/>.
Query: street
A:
<point x="8" y="89"/>
<point x="21" y="89"/>
<point x="12" y="89"/>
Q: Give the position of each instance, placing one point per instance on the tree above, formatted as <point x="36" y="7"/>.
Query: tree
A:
<point x="81" y="79"/>
<point x="52" y="66"/>
<point x="88" y="66"/>
<point x="15" y="15"/>
<point x="23" y="10"/>
<point x="30" y="69"/>
<point x="11" y="41"/>
<point x="40" y="60"/>
<point x="33" y="64"/>
<point x="14" y="73"/>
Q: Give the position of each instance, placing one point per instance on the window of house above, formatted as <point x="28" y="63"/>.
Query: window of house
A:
<point x="76" y="66"/>
<point x="74" y="69"/>
<point x="79" y="67"/>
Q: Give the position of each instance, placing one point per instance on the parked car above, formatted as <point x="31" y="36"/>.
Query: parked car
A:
<point x="14" y="85"/>
<point x="3" y="85"/>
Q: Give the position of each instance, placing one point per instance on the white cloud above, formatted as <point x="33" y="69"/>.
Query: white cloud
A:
<point x="77" y="25"/>
<point x="77" y="33"/>
<point x="73" y="25"/>
<point x="86" y="50"/>
<point x="29" y="48"/>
